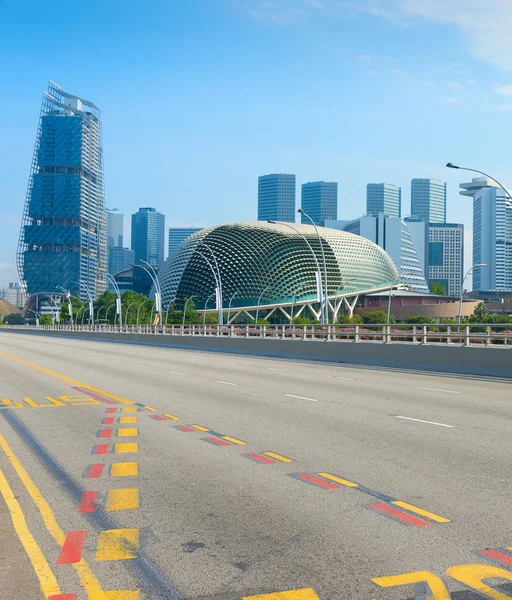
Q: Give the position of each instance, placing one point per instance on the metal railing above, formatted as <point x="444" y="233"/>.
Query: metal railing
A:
<point x="456" y="335"/>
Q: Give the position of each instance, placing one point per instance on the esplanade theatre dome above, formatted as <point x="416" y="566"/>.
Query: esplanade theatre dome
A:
<point x="275" y="263"/>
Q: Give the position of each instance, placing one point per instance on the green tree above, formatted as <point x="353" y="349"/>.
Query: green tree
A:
<point x="420" y="320"/>
<point x="76" y="305"/>
<point x="355" y="320"/>
<point x="45" y="320"/>
<point x="480" y="313"/>
<point x="302" y="321"/>
<point x="15" y="319"/>
<point x="437" y="288"/>
<point x="377" y="317"/>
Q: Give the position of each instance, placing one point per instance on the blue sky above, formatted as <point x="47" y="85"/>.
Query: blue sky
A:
<point x="198" y="98"/>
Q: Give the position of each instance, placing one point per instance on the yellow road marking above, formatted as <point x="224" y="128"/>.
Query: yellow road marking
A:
<point x="47" y="580"/>
<point x="126" y="420"/>
<point x="149" y="408"/>
<point x="128" y="432"/>
<point x="171" y="417"/>
<point x="117" y="544"/>
<point x="87" y="578"/>
<point x="304" y="594"/>
<point x="129" y="409"/>
<point x="474" y="575"/>
<point x="234" y="440"/>
<point x="338" y="480"/>
<point x="33" y="404"/>
<point x="435" y="583"/>
<point x="124" y="448"/>
<point x="124" y="469"/>
<point x="10" y="404"/>
<point x="200" y="427"/>
<point x="116" y="595"/>
<point x="75" y="382"/>
<point x="122" y="499"/>
<point x="278" y="457"/>
<point x="420" y="511"/>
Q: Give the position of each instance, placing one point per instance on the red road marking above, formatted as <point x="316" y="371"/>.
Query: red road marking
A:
<point x="263" y="459"/>
<point x="95" y="471"/>
<point x="159" y="418"/>
<point x="506" y="559"/>
<point x="109" y="411"/>
<point x="108" y="421"/>
<point x="105" y="433"/>
<point x="96" y="396"/>
<point x="217" y="441"/>
<point x="62" y="597"/>
<point x="185" y="428"/>
<point x="328" y="485"/>
<point x="88" y="502"/>
<point x="398" y="514"/>
<point x="101" y="449"/>
<point x="72" y="548"/>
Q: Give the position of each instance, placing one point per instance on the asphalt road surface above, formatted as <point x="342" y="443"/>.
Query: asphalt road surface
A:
<point x="134" y="473"/>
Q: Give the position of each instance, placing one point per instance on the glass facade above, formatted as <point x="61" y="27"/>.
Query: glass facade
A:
<point x="177" y="235"/>
<point x="384" y="198"/>
<point x="446" y="256"/>
<point x="63" y="234"/>
<point x="148" y="232"/>
<point x="428" y="200"/>
<point x="319" y="200"/>
<point x="276" y="197"/>
<point x="114" y="229"/>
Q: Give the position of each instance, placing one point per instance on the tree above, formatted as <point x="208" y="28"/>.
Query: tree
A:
<point x="420" y="320"/>
<point x="45" y="320"/>
<point x="355" y="319"/>
<point x="377" y="317"/>
<point x="480" y="313"/>
<point x="437" y="288"/>
<point x="15" y="319"/>
<point x="76" y="305"/>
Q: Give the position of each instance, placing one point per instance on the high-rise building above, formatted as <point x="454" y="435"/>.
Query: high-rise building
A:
<point x="63" y="238"/>
<point x="393" y="235"/>
<point x="428" y="200"/>
<point x="148" y="233"/>
<point x="177" y="235"/>
<point x="474" y="186"/>
<point x="115" y="221"/>
<point x="319" y="200"/>
<point x="14" y="294"/>
<point x="492" y="240"/>
<point x="276" y="197"/>
<point x="120" y="259"/>
<point x="384" y="198"/>
<point x="446" y="256"/>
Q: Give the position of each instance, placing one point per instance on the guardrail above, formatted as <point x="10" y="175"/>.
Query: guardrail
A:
<point x="461" y="335"/>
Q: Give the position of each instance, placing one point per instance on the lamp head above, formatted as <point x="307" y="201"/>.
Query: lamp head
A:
<point x="478" y="266"/>
<point x="300" y="211"/>
<point x="271" y="222"/>
<point x="452" y="166"/>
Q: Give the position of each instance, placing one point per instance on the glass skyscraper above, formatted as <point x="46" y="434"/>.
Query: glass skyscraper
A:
<point x="177" y="235"/>
<point x="115" y="236"/>
<point x="148" y="233"/>
<point x="384" y="198"/>
<point x="428" y="200"/>
<point x="319" y="199"/>
<point x="63" y="237"/>
<point x="276" y="197"/>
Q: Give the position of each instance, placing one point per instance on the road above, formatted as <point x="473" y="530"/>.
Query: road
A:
<point x="136" y="473"/>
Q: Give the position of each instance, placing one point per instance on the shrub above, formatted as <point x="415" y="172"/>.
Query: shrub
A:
<point x="377" y="317"/>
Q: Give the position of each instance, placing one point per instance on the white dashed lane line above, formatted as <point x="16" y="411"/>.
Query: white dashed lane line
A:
<point x="226" y="382"/>
<point x="436" y="390"/>
<point x="422" y="421"/>
<point x="300" y="397"/>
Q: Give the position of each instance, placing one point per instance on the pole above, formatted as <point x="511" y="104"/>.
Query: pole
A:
<point x="185" y="309"/>
<point x="106" y="314"/>
<point x="219" y="283"/>
<point x="140" y="306"/>
<point x="119" y="311"/>
<point x="167" y="311"/>
<point x="126" y="313"/>
<point x="158" y="290"/>
<point x="229" y="307"/>
<point x="205" y="306"/>
<point x="293" y="302"/>
<point x="68" y="295"/>
<point x="259" y="300"/>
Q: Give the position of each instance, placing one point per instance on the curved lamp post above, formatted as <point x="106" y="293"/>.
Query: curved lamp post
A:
<point x="140" y="306"/>
<point x="475" y="267"/>
<point x="68" y="294"/>
<point x="156" y="283"/>
<point x="205" y="306"/>
<point x="220" y="300"/>
<point x="185" y="308"/>
<point x="89" y="297"/>
<point x="217" y="283"/>
<point x="169" y="304"/>
<point x="98" y="312"/>
<point x="259" y="300"/>
<point x="452" y="166"/>
<point x="293" y="300"/>
<point x="119" y="310"/>
<point x="229" y="307"/>
<point x="126" y="313"/>
<point x="106" y="313"/>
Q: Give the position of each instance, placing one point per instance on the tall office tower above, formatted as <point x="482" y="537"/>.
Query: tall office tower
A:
<point x="393" y="235"/>
<point x="384" y="198"/>
<point x="428" y="200"/>
<point x="119" y="259"/>
<point x="319" y="199"/>
<point x="276" y="197"/>
<point x="492" y="240"/>
<point x="148" y="233"/>
<point x="177" y="235"/>
<point x="475" y="185"/>
<point x="115" y="221"/>
<point x="63" y="238"/>
<point x="446" y="256"/>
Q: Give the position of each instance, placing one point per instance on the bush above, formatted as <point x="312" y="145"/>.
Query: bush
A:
<point x="45" y="320"/>
<point x="15" y="319"/>
<point x="419" y="320"/>
<point x="377" y="317"/>
<point x="354" y="320"/>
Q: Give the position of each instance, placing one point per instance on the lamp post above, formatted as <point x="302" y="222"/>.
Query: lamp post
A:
<point x="259" y="300"/>
<point x="475" y="267"/>
<point x="89" y="297"/>
<point x="140" y="306"/>
<point x="126" y="313"/>
<point x="67" y="293"/>
<point x="320" y="241"/>
<point x="229" y="307"/>
<point x="98" y="313"/>
<point x="37" y="315"/>
<point x="185" y="308"/>
<point x="219" y="298"/>
<point x="293" y="301"/>
<point x="167" y="311"/>
<point x="322" y="320"/>
<point x="205" y="305"/>
<point x="119" y="311"/>
<point x="106" y="313"/>
<point x="217" y="283"/>
<point x="156" y="283"/>
<point x="507" y="193"/>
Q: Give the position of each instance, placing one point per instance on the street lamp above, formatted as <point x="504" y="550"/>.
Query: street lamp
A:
<point x="167" y="311"/>
<point x="220" y="301"/>
<point x="293" y="301"/>
<point x="156" y="283"/>
<point x="315" y="258"/>
<point x="119" y="311"/>
<point x="89" y="296"/>
<point x="106" y="313"/>
<point x="205" y="306"/>
<point x="68" y="296"/>
<point x="259" y="300"/>
<point x="217" y="283"/>
<point x="320" y="240"/>
<point x="229" y="307"/>
<point x="475" y="267"/>
<point x="98" y="312"/>
<point x="140" y="306"/>
<point x="126" y="313"/>
<point x="452" y="166"/>
<point x="185" y="308"/>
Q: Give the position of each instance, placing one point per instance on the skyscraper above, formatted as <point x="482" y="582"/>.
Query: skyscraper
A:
<point x="446" y="256"/>
<point x="177" y="235"/>
<point x="428" y="200"/>
<point x="63" y="234"/>
<point x="148" y="233"/>
<point x="276" y="197"/>
<point x="114" y="228"/>
<point x="384" y="198"/>
<point x="319" y="200"/>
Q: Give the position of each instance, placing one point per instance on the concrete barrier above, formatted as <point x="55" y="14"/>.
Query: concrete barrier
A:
<point x="493" y="361"/>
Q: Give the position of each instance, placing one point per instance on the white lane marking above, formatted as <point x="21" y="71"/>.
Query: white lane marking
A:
<point x="231" y="364"/>
<point x="436" y="390"/>
<point x="300" y="397"/>
<point x="339" y="377"/>
<point x="79" y="354"/>
<point x="280" y="370"/>
<point x="226" y="382"/>
<point x="142" y="366"/>
<point x="176" y="373"/>
<point x="422" y="421"/>
<point x="116" y="361"/>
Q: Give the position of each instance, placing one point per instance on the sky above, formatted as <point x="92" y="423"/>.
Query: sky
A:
<point x="200" y="97"/>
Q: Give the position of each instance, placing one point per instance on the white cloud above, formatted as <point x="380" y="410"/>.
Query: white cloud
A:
<point x="503" y="90"/>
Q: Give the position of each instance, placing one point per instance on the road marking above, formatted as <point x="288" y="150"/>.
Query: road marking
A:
<point x="117" y="544"/>
<point x="315" y="481"/>
<point x="420" y="511"/>
<point x="108" y="421"/>
<point x="339" y="480"/>
<point x="124" y="469"/>
<point x="278" y="457"/>
<point x="173" y="417"/>
<point x="398" y="514"/>
<point x="128" y="409"/>
<point x="95" y="471"/>
<point x="422" y="421"/>
<point x="436" y="390"/>
<point x="303" y="594"/>
<point x="142" y="367"/>
<point x="506" y="559"/>
<point x="72" y="549"/>
<point x="226" y="382"/>
<point x="185" y="428"/>
<point x="126" y="448"/>
<point x="47" y="580"/>
<point x="122" y="499"/>
<point x="79" y="354"/>
<point x="200" y="427"/>
<point x="101" y="449"/>
<point x="149" y="408"/>
<point x="339" y="377"/>
<point x="126" y="420"/>
<point x="127" y="432"/>
<point x="260" y="458"/>
<point x="216" y="441"/>
<point x="279" y="370"/>
<point x="88" y="502"/>
<point x="114" y="595"/>
<point x="87" y="578"/>
<point x="176" y="373"/>
<point x="300" y="397"/>
<point x="105" y="433"/>
<point x="234" y="440"/>
<point x="116" y="361"/>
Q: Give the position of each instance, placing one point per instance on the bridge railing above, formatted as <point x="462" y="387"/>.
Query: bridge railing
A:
<point x="460" y="335"/>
